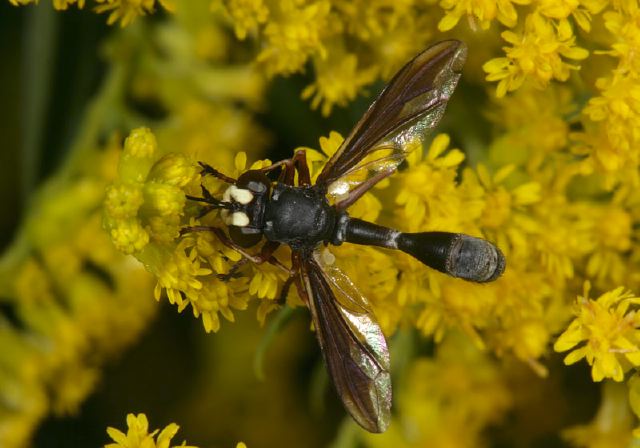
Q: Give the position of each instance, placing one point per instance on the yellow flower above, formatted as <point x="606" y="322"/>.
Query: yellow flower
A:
<point x="614" y="138"/>
<point x="505" y="208"/>
<point x="57" y="4"/>
<point x="624" y="25"/>
<point x="369" y="18"/>
<point x="609" y="328"/>
<point x="533" y="126"/>
<point x="215" y="133"/>
<point x="128" y="10"/>
<point x="147" y="201"/>
<point x="64" y="4"/>
<point x="482" y="11"/>
<point x="435" y="204"/>
<point x="559" y="250"/>
<point x="146" y="208"/>
<point x="537" y="53"/>
<point x="580" y="10"/>
<point x="429" y="410"/>
<point x="138" y="435"/>
<point x="246" y="15"/>
<point x="620" y="100"/>
<point x="338" y="81"/>
<point x="294" y="34"/>
<point x="614" y="162"/>
<point x="376" y="280"/>
<point x="316" y="159"/>
<point x="612" y="232"/>
<point x="453" y="303"/>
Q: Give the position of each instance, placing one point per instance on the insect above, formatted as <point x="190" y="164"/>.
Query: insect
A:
<point x="257" y="209"/>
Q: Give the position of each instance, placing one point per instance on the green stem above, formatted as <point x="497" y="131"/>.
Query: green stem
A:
<point x="39" y="50"/>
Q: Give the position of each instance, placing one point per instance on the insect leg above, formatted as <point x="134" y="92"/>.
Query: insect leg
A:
<point x="296" y="262"/>
<point x="300" y="159"/>
<point x="232" y="270"/>
<point x="266" y="253"/>
<point x="294" y="278"/>
<point x="361" y="189"/>
<point x="288" y="170"/>
<point x="208" y="169"/>
<point x="282" y="298"/>
<point x="283" y="163"/>
<point x="289" y="166"/>
<point x="207" y="198"/>
<point x="190" y="229"/>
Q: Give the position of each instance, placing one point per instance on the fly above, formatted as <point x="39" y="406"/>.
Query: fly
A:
<point x="257" y="209"/>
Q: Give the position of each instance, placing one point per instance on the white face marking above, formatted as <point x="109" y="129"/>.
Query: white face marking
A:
<point x="241" y="195"/>
<point x="226" y="196"/>
<point x="239" y="219"/>
<point x="339" y="189"/>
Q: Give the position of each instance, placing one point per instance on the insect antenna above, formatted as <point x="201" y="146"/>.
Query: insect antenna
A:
<point x="212" y="203"/>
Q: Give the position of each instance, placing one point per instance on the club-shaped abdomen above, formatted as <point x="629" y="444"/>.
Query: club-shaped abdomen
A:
<point x="455" y="254"/>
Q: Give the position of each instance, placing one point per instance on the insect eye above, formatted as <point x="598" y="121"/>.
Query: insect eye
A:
<point x="243" y="238"/>
<point x="254" y="181"/>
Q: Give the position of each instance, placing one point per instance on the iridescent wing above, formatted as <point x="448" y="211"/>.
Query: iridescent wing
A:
<point x="407" y="109"/>
<point x="352" y="344"/>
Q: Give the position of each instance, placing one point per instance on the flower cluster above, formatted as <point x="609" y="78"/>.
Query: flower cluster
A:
<point x="138" y="435"/>
<point x="123" y="11"/>
<point x="357" y="41"/>
<point x="540" y="156"/>
<point x="71" y="302"/>
<point x="430" y="410"/>
<point x="609" y="326"/>
<point x="76" y="302"/>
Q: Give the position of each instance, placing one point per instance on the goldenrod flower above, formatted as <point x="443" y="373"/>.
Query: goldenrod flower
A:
<point x="338" y="81"/>
<point x="482" y="12"/>
<point x="612" y="232"/>
<point x="625" y="30"/>
<point x="436" y="204"/>
<point x="537" y="53"/>
<point x="428" y="414"/>
<point x="64" y="4"/>
<point x="147" y="202"/>
<point x="580" y="10"/>
<point x="246" y="15"/>
<point x="128" y="10"/>
<point x="549" y="173"/>
<point x="138" y="435"/>
<point x="293" y="35"/>
<point x="609" y="326"/>
<point x="57" y="4"/>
